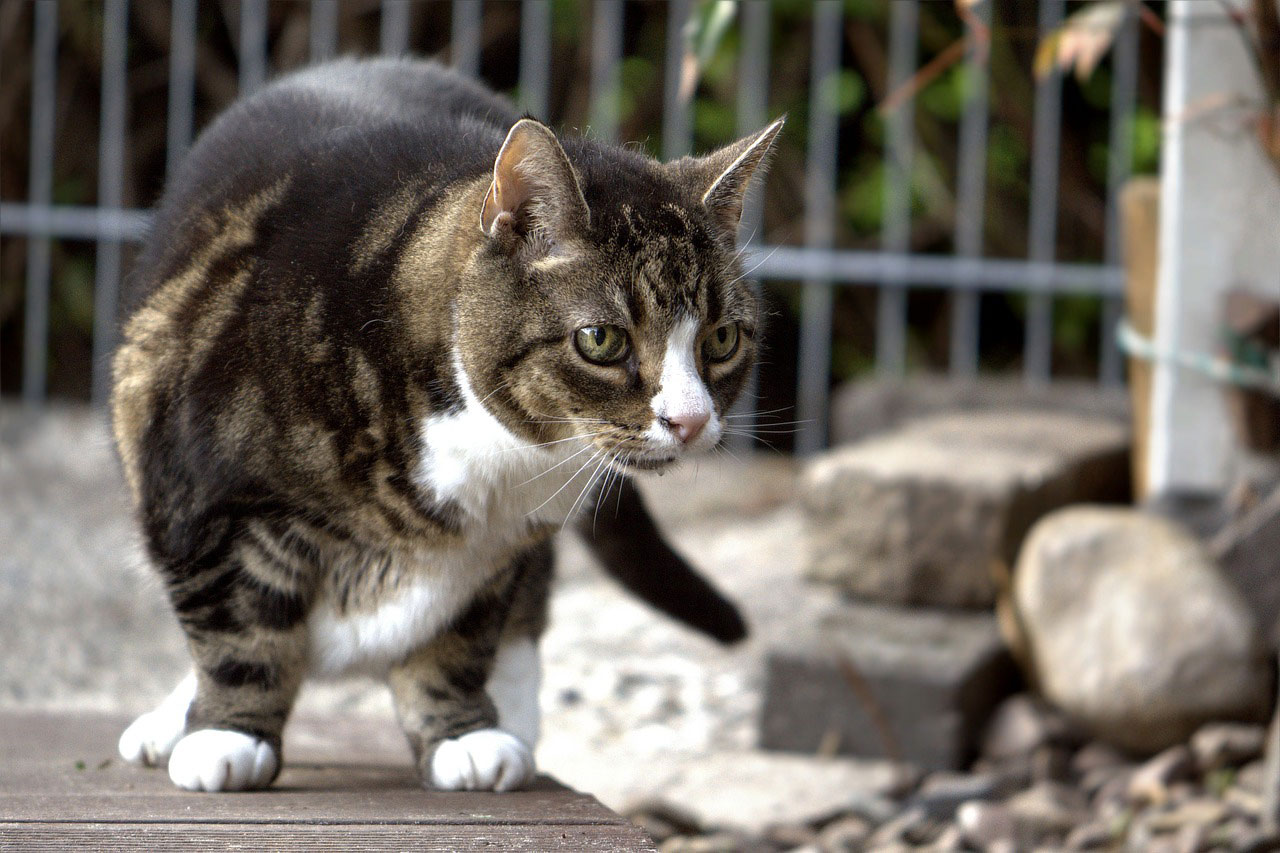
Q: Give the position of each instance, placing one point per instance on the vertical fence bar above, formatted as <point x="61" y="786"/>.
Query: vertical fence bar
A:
<point x="606" y="52"/>
<point x="35" y="343"/>
<point x="324" y="29"/>
<point x="535" y="56"/>
<point x="891" y="313"/>
<point x="182" y="83"/>
<point x="1043" y="226"/>
<point x="753" y="105"/>
<point x="677" y="129"/>
<point x="1124" y="95"/>
<point x="753" y="100"/>
<point x="464" y="36"/>
<point x="971" y="187"/>
<point x="819" y="229"/>
<point x="106" y="283"/>
<point x="393" y="29"/>
<point x="253" y="45"/>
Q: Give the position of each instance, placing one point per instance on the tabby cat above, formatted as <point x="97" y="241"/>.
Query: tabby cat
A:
<point x="389" y="337"/>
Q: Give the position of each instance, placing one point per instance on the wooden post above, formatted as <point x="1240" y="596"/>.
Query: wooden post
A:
<point x="1140" y="219"/>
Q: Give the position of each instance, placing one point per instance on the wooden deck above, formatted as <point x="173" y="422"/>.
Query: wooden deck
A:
<point x="346" y="785"/>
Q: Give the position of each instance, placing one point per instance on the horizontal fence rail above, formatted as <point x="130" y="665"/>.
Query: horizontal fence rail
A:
<point x="818" y="266"/>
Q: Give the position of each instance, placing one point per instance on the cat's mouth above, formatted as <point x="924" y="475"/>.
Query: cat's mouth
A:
<point x="647" y="464"/>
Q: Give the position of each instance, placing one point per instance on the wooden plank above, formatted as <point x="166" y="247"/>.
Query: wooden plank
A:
<point x="150" y="837"/>
<point x="346" y="782"/>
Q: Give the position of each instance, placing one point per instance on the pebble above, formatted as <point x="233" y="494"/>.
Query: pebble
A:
<point x="1191" y="838"/>
<point x="1098" y="755"/>
<point x="1088" y="836"/>
<point x="1051" y="764"/>
<point x="790" y="836"/>
<point x="1048" y="808"/>
<point x="898" y="828"/>
<point x="1021" y="725"/>
<point x="1245" y="802"/>
<point x="1255" y="841"/>
<point x="662" y="820"/>
<point x="1250" y="777"/>
<point x="720" y="842"/>
<point x="942" y="793"/>
<point x="1150" y="783"/>
<point x="984" y="824"/>
<point x="950" y="841"/>
<point x="1218" y="745"/>
<point x="846" y="835"/>
<point x="1203" y="813"/>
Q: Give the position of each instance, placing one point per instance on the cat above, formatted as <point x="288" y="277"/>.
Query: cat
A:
<point x="386" y="338"/>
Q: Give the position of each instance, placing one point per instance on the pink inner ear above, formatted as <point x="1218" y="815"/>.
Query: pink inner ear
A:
<point x="509" y="189"/>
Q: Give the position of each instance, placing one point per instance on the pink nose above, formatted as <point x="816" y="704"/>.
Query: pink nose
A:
<point x="686" y="427"/>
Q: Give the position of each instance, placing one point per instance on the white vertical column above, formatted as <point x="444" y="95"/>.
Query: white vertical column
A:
<point x="1219" y="228"/>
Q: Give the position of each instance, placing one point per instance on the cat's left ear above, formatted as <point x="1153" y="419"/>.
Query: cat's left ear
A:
<point x="534" y="185"/>
<point x="723" y="176"/>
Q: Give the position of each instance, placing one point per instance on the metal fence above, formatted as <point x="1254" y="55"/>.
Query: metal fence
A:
<point x="816" y="264"/>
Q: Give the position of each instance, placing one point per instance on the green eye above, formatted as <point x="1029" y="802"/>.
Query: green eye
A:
<point x="601" y="344"/>
<point x="721" y="343"/>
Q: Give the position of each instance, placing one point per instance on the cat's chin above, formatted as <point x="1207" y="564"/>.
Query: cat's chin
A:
<point x="656" y="464"/>
<point x="649" y="466"/>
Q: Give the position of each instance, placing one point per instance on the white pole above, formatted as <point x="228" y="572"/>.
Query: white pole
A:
<point x="1219" y="229"/>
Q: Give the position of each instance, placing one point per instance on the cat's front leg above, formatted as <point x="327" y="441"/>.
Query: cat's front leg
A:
<point x="450" y="719"/>
<point x="246" y="683"/>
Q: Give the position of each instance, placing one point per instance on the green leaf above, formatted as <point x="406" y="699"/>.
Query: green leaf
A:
<point x="843" y="92"/>
<point x="945" y="97"/>
<point x="1145" y="132"/>
<point x="707" y="26"/>
<point x="862" y="200"/>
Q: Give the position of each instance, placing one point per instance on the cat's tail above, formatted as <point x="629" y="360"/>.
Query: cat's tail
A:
<point x="634" y="553"/>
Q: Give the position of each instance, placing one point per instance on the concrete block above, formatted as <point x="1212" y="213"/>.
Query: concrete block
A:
<point x="906" y="684"/>
<point x="919" y="516"/>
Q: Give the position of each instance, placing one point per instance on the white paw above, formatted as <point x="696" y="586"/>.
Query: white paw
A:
<point x="484" y="760"/>
<point x="150" y="738"/>
<point x="222" y="760"/>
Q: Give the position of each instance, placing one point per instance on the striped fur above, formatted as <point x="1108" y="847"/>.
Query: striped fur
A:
<point x="351" y="413"/>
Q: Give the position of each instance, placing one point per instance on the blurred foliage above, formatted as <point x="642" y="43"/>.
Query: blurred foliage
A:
<point x="715" y="45"/>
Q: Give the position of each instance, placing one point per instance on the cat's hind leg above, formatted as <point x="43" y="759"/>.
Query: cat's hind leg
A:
<point x="150" y="739"/>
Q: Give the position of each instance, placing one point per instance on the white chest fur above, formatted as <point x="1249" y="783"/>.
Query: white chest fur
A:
<point x="502" y="485"/>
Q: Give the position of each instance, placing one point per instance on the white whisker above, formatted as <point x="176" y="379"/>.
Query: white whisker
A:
<point x="763" y="261"/>
<point x="590" y="482"/>
<point x="573" y="455"/>
<point x="590" y="459"/>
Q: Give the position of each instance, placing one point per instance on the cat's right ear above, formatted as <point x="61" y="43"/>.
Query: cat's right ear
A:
<point x="534" y="189"/>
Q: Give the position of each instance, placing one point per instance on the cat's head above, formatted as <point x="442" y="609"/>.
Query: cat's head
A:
<point x="607" y="299"/>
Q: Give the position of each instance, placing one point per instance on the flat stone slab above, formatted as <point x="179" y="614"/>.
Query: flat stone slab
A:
<point x="921" y="516"/>
<point x="343" y="786"/>
<point x="904" y="684"/>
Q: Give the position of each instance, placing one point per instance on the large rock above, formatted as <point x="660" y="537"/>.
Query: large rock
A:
<point x="1133" y="630"/>
<point x="1248" y="550"/>
<point x="907" y="684"/>
<point x="922" y="515"/>
<point x="867" y="407"/>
